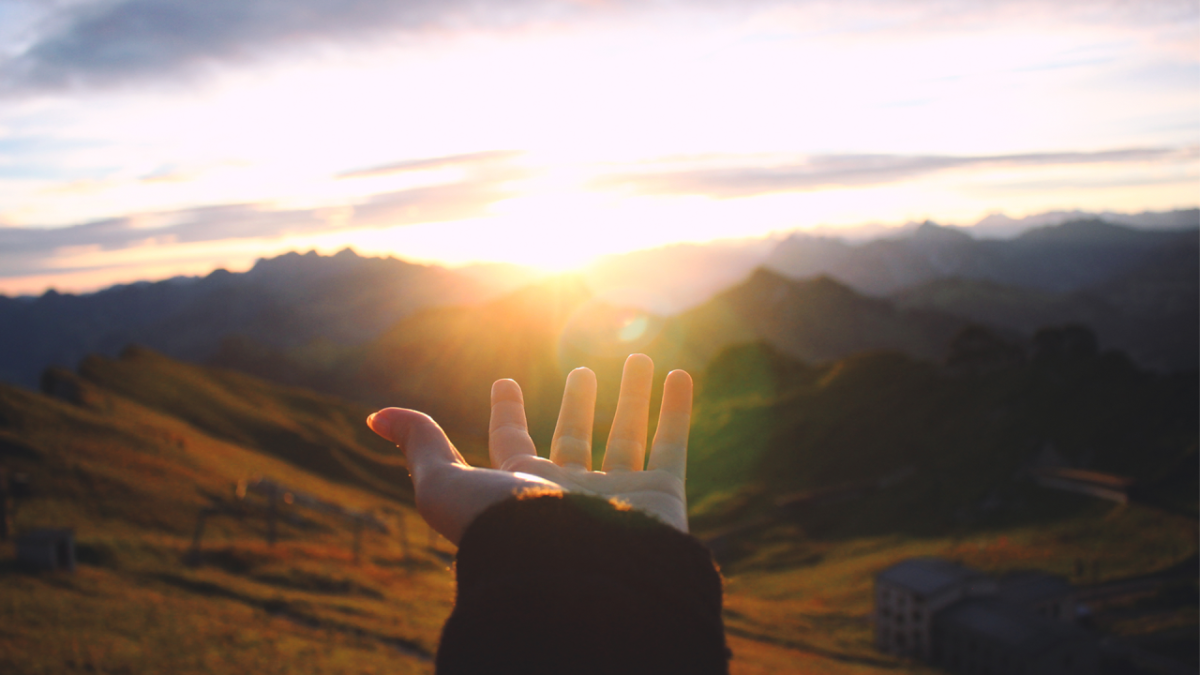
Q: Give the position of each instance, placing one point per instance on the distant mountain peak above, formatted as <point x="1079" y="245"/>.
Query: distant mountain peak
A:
<point x="765" y="278"/>
<point x="1085" y="229"/>
<point x="763" y="274"/>
<point x="931" y="231"/>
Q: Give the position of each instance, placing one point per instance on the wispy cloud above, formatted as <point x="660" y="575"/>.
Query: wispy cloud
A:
<point x="750" y="176"/>
<point x="29" y="251"/>
<point x="105" y="43"/>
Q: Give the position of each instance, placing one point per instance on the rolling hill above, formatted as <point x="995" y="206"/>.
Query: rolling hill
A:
<point x="769" y="426"/>
<point x="283" y="303"/>
<point x="818" y="319"/>
<point x="131" y="452"/>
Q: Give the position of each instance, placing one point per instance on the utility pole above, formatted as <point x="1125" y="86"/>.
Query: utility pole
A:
<point x="358" y="526"/>
<point x="272" y="515"/>
<point x="6" y="507"/>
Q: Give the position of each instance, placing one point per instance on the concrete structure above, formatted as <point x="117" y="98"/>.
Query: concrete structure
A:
<point x="969" y="623"/>
<point x="909" y="593"/>
<point x="988" y="636"/>
<point x="47" y="550"/>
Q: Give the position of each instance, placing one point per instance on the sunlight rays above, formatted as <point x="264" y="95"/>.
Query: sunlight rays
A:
<point x="541" y="144"/>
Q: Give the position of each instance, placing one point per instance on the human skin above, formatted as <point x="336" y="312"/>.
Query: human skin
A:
<point x="450" y="493"/>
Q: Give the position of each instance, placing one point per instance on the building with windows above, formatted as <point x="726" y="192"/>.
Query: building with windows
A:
<point x="970" y="623"/>
<point x="909" y="593"/>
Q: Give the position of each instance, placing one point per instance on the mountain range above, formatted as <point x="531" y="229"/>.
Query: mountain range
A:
<point x="1068" y="257"/>
<point x="297" y="318"/>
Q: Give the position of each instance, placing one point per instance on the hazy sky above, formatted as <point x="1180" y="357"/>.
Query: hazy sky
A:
<point x="146" y="138"/>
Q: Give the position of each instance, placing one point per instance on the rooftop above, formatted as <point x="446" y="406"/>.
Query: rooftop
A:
<point x="927" y="576"/>
<point x="1032" y="587"/>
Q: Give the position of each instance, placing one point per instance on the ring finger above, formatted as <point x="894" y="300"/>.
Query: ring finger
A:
<point x="626" y="447"/>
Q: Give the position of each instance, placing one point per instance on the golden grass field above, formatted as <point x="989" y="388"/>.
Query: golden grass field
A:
<point x="131" y="472"/>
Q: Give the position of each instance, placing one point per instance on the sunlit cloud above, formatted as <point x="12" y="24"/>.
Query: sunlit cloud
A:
<point x="26" y="251"/>
<point x="549" y="133"/>
<point x="427" y="164"/>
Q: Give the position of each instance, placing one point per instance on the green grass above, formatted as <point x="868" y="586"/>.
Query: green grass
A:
<point x="154" y="442"/>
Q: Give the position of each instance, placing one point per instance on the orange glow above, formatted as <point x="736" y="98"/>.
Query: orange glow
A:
<point x="540" y="117"/>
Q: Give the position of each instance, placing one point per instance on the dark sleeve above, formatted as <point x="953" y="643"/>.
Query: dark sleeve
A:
<point x="574" y="584"/>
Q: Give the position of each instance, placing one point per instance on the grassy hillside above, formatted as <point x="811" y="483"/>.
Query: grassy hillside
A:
<point x="131" y="477"/>
<point x="319" y="433"/>
<point x="142" y="445"/>
<point x="807" y="481"/>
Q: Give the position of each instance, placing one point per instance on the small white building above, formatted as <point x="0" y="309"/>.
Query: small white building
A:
<point x="47" y="550"/>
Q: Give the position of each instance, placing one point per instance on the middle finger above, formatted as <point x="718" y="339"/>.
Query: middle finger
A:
<point x="626" y="447"/>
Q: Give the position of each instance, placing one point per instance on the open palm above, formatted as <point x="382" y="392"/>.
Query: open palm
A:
<point x="450" y="493"/>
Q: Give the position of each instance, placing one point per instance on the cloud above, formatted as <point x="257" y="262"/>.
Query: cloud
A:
<point x="97" y="43"/>
<point x="834" y="171"/>
<point x="473" y="159"/>
<point x="100" y="43"/>
<point x="29" y="251"/>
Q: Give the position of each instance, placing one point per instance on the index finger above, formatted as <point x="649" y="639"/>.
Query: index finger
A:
<point x="669" y="451"/>
<point x="508" y="432"/>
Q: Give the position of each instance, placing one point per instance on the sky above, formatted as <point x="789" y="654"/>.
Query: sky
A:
<point x="142" y="139"/>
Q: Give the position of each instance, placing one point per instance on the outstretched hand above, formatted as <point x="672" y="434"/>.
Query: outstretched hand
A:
<point x="450" y="493"/>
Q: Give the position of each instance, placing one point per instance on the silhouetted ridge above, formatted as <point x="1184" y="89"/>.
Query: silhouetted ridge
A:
<point x="282" y="303"/>
<point x="1061" y="258"/>
<point x="1092" y="231"/>
<point x="815" y="319"/>
<point x="932" y="232"/>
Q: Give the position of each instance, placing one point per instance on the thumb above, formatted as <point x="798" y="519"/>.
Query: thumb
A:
<point x="422" y="441"/>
